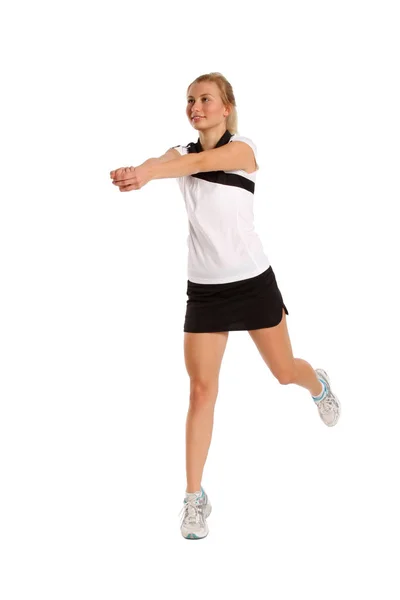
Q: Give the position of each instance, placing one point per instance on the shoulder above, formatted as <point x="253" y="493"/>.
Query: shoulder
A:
<point x="247" y="140"/>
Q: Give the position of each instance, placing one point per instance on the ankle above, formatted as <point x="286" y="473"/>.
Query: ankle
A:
<point x="321" y="393"/>
<point x="193" y="490"/>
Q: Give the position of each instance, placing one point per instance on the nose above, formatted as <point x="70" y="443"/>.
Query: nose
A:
<point x="195" y="109"/>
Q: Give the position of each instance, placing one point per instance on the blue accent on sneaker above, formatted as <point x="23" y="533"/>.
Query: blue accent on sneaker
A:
<point x="323" y="393"/>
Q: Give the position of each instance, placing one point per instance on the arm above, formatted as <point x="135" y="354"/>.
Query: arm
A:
<point x="170" y="154"/>
<point x="188" y="164"/>
<point x="230" y="157"/>
<point x="170" y="164"/>
<point x="237" y="156"/>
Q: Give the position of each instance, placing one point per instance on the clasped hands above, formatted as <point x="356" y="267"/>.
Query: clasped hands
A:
<point x="131" y="178"/>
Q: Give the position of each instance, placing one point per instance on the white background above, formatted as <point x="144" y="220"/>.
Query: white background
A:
<point x="94" y="390"/>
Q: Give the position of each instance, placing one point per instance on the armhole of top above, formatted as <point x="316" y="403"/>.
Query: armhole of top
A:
<point x="181" y="149"/>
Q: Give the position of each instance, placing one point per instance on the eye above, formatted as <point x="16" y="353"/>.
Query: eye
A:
<point x="191" y="99"/>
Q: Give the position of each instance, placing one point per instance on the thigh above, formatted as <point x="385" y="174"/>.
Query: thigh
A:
<point x="203" y="356"/>
<point x="275" y="348"/>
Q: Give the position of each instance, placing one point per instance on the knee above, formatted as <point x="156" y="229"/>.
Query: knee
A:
<point x="285" y="377"/>
<point x="202" y="392"/>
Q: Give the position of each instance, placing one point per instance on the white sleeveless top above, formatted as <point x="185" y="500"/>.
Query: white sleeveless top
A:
<point x="222" y="243"/>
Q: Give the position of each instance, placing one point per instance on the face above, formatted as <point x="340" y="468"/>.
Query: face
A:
<point x="204" y="100"/>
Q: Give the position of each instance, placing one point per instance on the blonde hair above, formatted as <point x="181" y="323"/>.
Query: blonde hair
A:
<point x="227" y="97"/>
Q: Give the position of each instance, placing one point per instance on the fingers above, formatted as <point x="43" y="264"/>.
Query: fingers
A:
<point x="120" y="173"/>
<point x="124" y="178"/>
<point x="124" y="181"/>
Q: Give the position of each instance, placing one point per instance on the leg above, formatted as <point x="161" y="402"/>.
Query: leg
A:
<point x="203" y="357"/>
<point x="276" y="350"/>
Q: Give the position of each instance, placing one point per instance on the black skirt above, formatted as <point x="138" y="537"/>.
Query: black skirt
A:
<point x="243" y="305"/>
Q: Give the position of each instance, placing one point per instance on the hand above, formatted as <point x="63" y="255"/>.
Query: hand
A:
<point x="130" y="178"/>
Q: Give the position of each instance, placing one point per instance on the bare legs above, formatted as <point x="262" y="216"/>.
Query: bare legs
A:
<point x="203" y="358"/>
<point x="275" y="348"/>
<point x="305" y="376"/>
<point x="199" y="426"/>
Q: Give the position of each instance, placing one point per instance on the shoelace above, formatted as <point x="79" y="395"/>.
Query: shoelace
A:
<point x="191" y="511"/>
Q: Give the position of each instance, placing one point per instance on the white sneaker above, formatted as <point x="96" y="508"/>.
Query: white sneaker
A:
<point x="329" y="407"/>
<point x="195" y="510"/>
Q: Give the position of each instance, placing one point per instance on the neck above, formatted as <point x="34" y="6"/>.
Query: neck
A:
<point x="210" y="137"/>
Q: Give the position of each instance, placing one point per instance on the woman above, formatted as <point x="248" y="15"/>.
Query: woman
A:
<point x="231" y="285"/>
